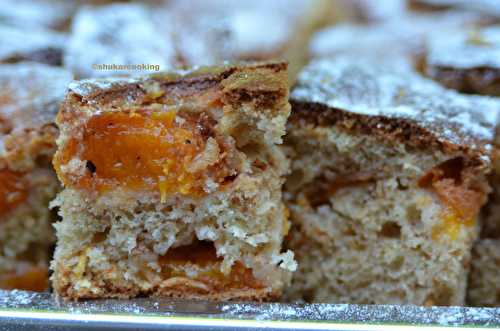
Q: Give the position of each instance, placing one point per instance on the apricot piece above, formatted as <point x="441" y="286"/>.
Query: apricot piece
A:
<point x="33" y="279"/>
<point x="13" y="190"/>
<point x="138" y="150"/>
<point x="462" y="204"/>
<point x="177" y="262"/>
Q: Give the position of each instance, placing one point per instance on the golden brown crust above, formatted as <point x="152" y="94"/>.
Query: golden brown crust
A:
<point x="185" y="288"/>
<point x="237" y="82"/>
<point x="408" y="132"/>
<point x="395" y="103"/>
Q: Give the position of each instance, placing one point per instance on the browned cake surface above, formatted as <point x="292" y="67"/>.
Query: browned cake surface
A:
<point x="29" y="100"/>
<point x="173" y="186"/>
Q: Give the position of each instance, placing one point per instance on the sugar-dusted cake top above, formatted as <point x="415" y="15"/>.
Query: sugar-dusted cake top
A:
<point x="399" y="96"/>
<point x="246" y="79"/>
<point x="31" y="94"/>
<point x="39" y="44"/>
<point x="466" y="49"/>
<point x="117" y="34"/>
<point x="401" y="35"/>
<point x="216" y="30"/>
<point x="53" y="14"/>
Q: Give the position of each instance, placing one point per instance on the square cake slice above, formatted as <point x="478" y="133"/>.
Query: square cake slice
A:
<point x="466" y="60"/>
<point x="388" y="175"/>
<point x="29" y="100"/>
<point x="172" y="186"/>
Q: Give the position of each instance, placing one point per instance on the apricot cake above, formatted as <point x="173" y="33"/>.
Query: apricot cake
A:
<point x="172" y="186"/>
<point x="467" y="60"/>
<point x="388" y="174"/>
<point x="29" y="100"/>
<point x="105" y="39"/>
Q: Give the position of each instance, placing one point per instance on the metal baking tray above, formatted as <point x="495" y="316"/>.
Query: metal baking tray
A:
<point x="20" y="310"/>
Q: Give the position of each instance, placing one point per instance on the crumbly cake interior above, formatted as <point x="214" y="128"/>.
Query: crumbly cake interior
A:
<point x="370" y="226"/>
<point x="484" y="279"/>
<point x="29" y="100"/>
<point x="173" y="187"/>
<point x="388" y="175"/>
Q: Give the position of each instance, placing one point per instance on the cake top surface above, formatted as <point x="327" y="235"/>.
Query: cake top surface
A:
<point x="117" y="34"/>
<point x="217" y="30"/>
<point x="30" y="94"/>
<point x="401" y="35"/>
<point x="466" y="49"/>
<point x="398" y="93"/>
<point x="19" y="41"/>
<point x="190" y="79"/>
<point x="36" y="13"/>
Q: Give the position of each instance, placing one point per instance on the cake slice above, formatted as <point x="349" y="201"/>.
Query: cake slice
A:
<point x="172" y="186"/>
<point x="467" y="60"/>
<point x="388" y="175"/>
<point x="29" y="100"/>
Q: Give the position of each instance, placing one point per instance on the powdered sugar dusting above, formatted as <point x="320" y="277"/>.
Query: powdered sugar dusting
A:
<point x="209" y="32"/>
<point x="466" y="49"/>
<point x="36" y="14"/>
<point x="375" y="89"/>
<point x="402" y="35"/>
<point x="31" y="93"/>
<point x="87" y="86"/>
<point x="119" y="34"/>
<point x="21" y="41"/>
